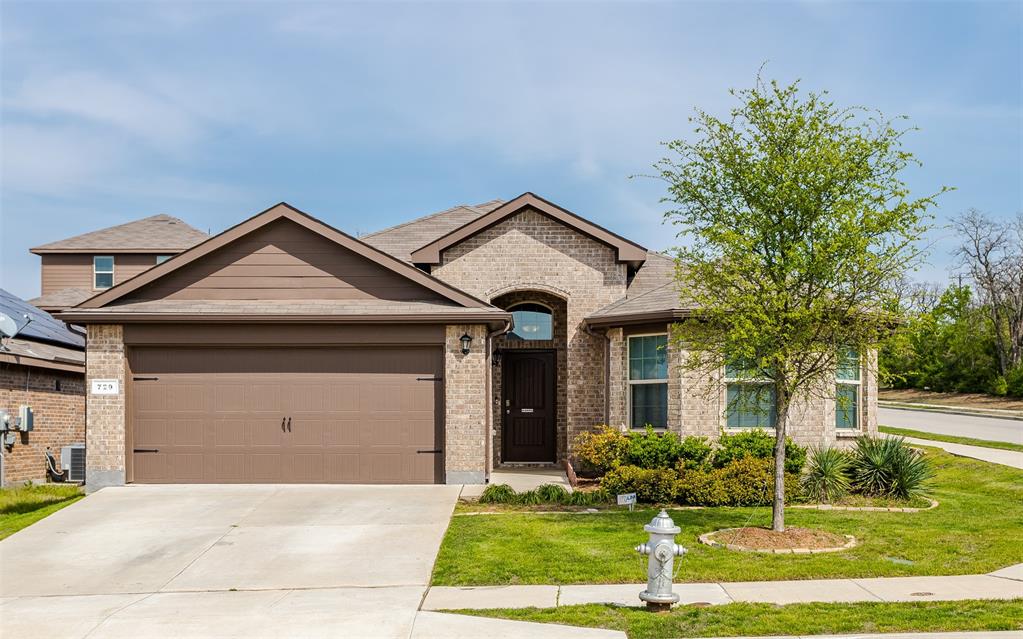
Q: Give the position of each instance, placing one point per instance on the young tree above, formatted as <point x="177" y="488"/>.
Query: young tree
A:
<point x="799" y="231"/>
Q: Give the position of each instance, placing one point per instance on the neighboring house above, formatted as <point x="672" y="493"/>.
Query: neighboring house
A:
<point x="283" y="350"/>
<point x="41" y="367"/>
<point x="77" y="268"/>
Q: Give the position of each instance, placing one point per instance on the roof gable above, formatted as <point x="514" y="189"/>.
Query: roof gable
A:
<point x="626" y="251"/>
<point x="190" y="275"/>
<point x="153" y="234"/>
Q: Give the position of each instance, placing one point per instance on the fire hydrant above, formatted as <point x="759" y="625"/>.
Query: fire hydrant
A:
<point x="662" y="550"/>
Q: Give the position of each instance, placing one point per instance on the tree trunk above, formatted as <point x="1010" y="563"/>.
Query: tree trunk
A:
<point x="781" y="418"/>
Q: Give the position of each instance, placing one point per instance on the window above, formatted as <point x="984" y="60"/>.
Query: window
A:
<point x="648" y="381"/>
<point x="532" y="321"/>
<point x="160" y="259"/>
<point x="749" y="397"/>
<point x="102" y="271"/>
<point x="847" y="390"/>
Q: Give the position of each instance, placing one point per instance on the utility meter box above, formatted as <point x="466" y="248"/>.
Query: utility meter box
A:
<point x="25" y="418"/>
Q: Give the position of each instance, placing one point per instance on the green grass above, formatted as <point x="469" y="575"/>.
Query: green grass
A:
<point x="25" y="505"/>
<point x="974" y="530"/>
<point x="952" y="439"/>
<point x="742" y="619"/>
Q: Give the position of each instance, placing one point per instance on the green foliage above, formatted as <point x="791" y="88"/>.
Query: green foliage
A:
<point x="694" y="453"/>
<point x="498" y="494"/>
<point x="655" y="485"/>
<point x="530" y="498"/>
<point x="827" y="474"/>
<point x="650" y="449"/>
<point x="888" y="467"/>
<point x="552" y="494"/>
<point x="1014" y="382"/>
<point x="598" y="497"/>
<point x="602" y="450"/>
<point x="746" y="481"/>
<point x="947" y="346"/>
<point x="758" y="444"/>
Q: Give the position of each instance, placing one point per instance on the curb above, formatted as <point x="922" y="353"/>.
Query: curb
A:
<point x="951" y="410"/>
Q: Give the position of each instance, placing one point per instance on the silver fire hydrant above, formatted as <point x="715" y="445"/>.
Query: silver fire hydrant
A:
<point x="662" y="550"/>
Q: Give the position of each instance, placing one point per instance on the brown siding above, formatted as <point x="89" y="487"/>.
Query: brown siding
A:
<point x="283" y="261"/>
<point x="59" y="418"/>
<point x="74" y="270"/>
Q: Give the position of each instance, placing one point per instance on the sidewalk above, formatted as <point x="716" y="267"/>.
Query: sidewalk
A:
<point x="1006" y="583"/>
<point x="993" y="455"/>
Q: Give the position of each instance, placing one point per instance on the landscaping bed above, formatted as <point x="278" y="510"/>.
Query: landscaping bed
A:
<point x="25" y="505"/>
<point x="765" y="539"/>
<point x="975" y="530"/>
<point x="742" y="619"/>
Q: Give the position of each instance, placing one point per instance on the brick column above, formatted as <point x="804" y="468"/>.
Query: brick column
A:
<point x="617" y="383"/>
<point x="105" y="418"/>
<point x="465" y="394"/>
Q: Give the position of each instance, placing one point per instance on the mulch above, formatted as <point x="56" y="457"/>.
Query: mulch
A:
<point x="765" y="539"/>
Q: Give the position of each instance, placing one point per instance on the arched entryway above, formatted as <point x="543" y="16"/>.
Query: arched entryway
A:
<point x="529" y="380"/>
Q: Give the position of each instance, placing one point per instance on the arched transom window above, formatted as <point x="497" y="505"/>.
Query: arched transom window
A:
<point x="532" y="321"/>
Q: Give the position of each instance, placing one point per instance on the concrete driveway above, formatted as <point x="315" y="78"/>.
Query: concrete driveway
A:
<point x="226" y="561"/>
<point x="978" y="427"/>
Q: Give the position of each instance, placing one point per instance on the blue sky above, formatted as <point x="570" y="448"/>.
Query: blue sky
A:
<point x="366" y="115"/>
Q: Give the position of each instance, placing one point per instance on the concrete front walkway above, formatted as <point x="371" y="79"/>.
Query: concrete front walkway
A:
<point x="1002" y="584"/>
<point x="236" y="561"/>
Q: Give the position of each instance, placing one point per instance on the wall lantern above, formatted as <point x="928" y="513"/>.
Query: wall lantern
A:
<point x="496" y="358"/>
<point x="466" y="340"/>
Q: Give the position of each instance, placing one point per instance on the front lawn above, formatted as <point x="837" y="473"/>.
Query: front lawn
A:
<point x="974" y="530"/>
<point x="952" y="439"/>
<point x="25" y="505"/>
<point x="742" y="619"/>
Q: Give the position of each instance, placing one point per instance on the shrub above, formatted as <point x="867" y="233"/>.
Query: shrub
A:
<point x="694" y="452"/>
<point x="827" y="474"/>
<point x="888" y="467"/>
<point x="655" y="485"/>
<point x="602" y="450"/>
<point x="530" y="498"/>
<point x="748" y="481"/>
<point x="650" y="449"/>
<point x="760" y="445"/>
<point x="498" y="494"/>
<point x="552" y="494"/>
<point x="1014" y="382"/>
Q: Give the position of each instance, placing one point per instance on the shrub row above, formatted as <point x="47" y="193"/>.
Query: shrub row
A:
<point x="608" y="448"/>
<point x="746" y="481"/>
<point x="545" y="494"/>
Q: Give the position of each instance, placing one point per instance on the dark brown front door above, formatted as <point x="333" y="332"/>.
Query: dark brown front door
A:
<point x="287" y="415"/>
<point x="529" y="406"/>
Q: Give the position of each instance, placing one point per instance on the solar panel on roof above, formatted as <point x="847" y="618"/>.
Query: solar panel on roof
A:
<point x="42" y="326"/>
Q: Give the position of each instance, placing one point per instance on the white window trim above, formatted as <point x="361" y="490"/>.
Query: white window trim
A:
<point x="856" y="430"/>
<point x="112" y="271"/>
<point x="724" y="401"/>
<point x="629" y="382"/>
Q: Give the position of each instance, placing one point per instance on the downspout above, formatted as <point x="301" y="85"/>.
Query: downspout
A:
<point x="489" y="439"/>
<point x="607" y="369"/>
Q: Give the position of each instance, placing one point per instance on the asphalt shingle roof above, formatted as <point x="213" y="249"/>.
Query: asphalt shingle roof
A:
<point x="64" y="298"/>
<point x="404" y="238"/>
<point x="150" y="234"/>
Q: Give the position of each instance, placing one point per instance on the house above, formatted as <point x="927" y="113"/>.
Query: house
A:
<point x="75" y="269"/>
<point x="42" y="368"/>
<point x="284" y="350"/>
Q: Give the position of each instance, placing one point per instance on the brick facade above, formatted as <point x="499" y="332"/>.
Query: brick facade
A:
<point x="465" y="405"/>
<point x="531" y="252"/>
<point x="57" y="399"/>
<point x="696" y="401"/>
<point x="105" y="414"/>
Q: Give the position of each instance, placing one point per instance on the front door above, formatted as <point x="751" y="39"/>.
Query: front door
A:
<point x="529" y="406"/>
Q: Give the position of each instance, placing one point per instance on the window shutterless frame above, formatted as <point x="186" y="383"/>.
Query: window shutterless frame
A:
<point x="742" y="383"/>
<point x="849" y="392"/>
<point x="102" y="271"/>
<point x="661" y="381"/>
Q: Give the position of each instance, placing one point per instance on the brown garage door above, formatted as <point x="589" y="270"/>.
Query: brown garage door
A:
<point x="288" y="415"/>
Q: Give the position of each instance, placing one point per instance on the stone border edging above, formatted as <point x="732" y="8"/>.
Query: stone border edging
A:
<point x="873" y="509"/>
<point x="706" y="540"/>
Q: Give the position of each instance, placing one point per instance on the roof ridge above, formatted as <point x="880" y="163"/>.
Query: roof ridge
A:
<point x="157" y="217"/>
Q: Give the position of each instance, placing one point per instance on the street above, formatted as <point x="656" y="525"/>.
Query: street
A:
<point x="990" y="428"/>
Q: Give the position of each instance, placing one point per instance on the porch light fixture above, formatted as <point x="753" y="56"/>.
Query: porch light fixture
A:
<point x="496" y="358"/>
<point x="466" y="340"/>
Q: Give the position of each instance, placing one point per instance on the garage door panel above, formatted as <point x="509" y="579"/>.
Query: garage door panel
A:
<point x="357" y="415"/>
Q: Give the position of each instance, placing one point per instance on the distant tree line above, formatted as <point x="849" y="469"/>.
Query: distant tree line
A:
<point x="966" y="337"/>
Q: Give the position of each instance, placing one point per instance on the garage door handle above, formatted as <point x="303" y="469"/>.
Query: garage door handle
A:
<point x="283" y="429"/>
<point x="434" y="450"/>
<point x="429" y="379"/>
<point x="289" y="424"/>
<point x="144" y="379"/>
<point x="146" y="450"/>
